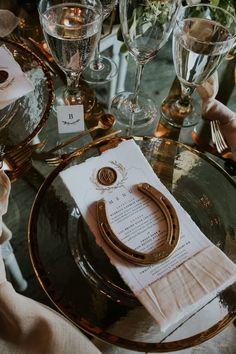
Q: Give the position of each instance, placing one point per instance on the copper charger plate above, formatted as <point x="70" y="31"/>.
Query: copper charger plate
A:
<point x="79" y="279"/>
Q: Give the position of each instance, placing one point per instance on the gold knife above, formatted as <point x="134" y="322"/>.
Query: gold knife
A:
<point x="93" y="143"/>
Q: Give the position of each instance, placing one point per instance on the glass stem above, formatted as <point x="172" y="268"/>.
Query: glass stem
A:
<point x="183" y="106"/>
<point x="134" y="100"/>
<point x="97" y="63"/>
<point x="186" y="92"/>
<point x="72" y="90"/>
<point x="138" y="77"/>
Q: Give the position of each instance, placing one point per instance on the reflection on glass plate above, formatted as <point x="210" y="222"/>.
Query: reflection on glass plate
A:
<point x="7" y="113"/>
<point x="83" y="284"/>
<point x="24" y="118"/>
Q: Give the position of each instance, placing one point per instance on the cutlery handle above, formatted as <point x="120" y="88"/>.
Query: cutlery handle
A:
<point x="74" y="138"/>
<point x="96" y="142"/>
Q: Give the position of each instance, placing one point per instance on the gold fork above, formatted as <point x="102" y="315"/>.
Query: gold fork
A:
<point x="217" y="137"/>
<point x="20" y="155"/>
<point x="19" y="160"/>
<point x="19" y="171"/>
<point x="55" y="161"/>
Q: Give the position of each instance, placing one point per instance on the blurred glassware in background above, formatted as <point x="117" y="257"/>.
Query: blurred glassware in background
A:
<point x="202" y="38"/>
<point x="102" y="69"/>
<point x="145" y="26"/>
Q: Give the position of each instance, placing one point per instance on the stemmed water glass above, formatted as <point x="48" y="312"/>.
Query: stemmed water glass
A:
<point x="72" y="30"/>
<point x="146" y="26"/>
<point x="102" y="69"/>
<point x="202" y="37"/>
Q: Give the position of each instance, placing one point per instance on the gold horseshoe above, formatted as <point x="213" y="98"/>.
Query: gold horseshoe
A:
<point x="158" y="254"/>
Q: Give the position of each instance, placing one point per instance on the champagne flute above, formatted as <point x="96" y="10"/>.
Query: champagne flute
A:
<point x="146" y="26"/>
<point x="72" y="30"/>
<point x="102" y="69"/>
<point x="202" y="38"/>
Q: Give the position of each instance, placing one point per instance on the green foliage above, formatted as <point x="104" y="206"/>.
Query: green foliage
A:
<point x="229" y="5"/>
<point x="154" y="8"/>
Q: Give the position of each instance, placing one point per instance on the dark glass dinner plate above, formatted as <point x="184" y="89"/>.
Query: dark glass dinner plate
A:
<point x="7" y="113"/>
<point x="24" y="118"/>
<point x="85" y="287"/>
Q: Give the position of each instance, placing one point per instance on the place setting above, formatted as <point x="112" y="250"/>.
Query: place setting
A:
<point x="124" y="239"/>
<point x="130" y="235"/>
<point x="99" y="267"/>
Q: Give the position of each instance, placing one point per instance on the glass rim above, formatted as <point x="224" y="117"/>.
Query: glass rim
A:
<point x="231" y="39"/>
<point x="99" y="18"/>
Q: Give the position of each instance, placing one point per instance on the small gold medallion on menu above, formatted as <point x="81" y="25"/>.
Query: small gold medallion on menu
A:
<point x="107" y="176"/>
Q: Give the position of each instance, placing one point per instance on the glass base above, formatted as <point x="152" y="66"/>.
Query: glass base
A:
<point x="131" y="116"/>
<point x="177" y="117"/>
<point x="105" y="72"/>
<point x="85" y="96"/>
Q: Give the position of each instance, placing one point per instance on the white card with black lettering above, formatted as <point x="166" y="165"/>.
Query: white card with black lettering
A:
<point x="70" y="119"/>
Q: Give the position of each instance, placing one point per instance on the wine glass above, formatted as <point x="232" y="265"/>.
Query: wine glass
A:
<point x="72" y="30"/>
<point x="146" y="26"/>
<point x="202" y="38"/>
<point x="102" y="69"/>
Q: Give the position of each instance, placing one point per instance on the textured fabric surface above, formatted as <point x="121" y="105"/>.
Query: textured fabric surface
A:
<point x="189" y="286"/>
<point x="29" y="327"/>
<point x="26" y="326"/>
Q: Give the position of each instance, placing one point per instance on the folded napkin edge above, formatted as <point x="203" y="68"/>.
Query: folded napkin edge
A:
<point x="151" y="297"/>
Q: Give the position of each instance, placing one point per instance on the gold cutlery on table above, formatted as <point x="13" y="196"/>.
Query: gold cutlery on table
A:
<point x="56" y="160"/>
<point x="105" y="122"/>
<point x="20" y="155"/>
<point x="19" y="171"/>
<point x="19" y="159"/>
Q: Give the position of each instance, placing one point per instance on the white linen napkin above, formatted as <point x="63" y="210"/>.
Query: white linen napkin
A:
<point x="16" y="84"/>
<point x="186" y="280"/>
